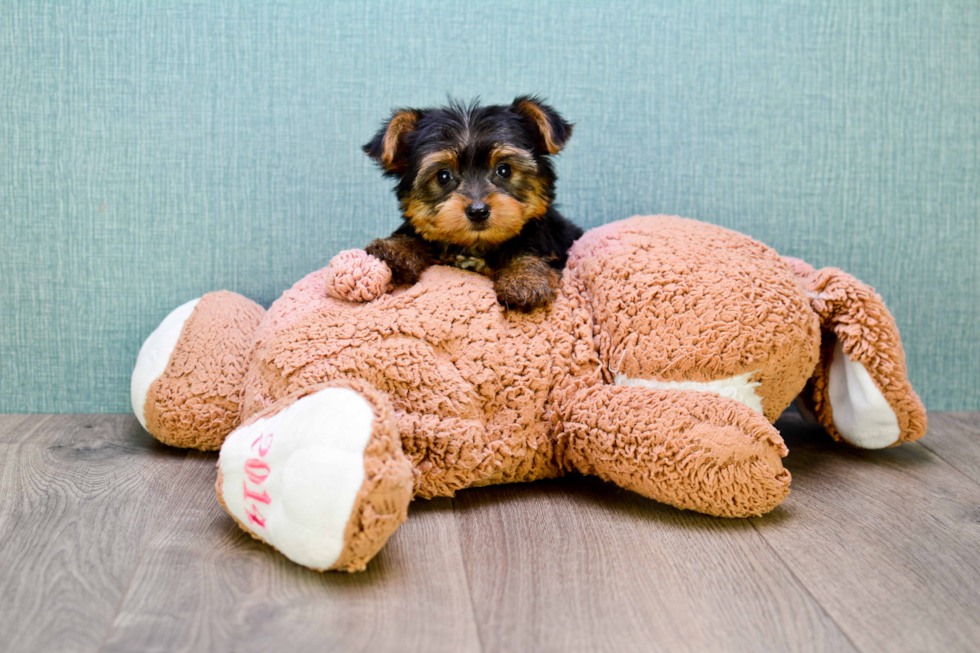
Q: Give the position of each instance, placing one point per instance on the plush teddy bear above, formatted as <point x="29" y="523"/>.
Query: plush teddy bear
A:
<point x="672" y="347"/>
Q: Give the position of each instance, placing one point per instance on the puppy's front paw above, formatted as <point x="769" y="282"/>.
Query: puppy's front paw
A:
<point x="407" y="257"/>
<point x="526" y="283"/>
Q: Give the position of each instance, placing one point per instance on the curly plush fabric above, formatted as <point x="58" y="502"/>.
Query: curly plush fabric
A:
<point x="382" y="501"/>
<point x="852" y="313"/>
<point x="356" y="277"/>
<point x="670" y="349"/>
<point x="720" y="458"/>
<point x="468" y="381"/>
<point x="197" y="400"/>
<point x="679" y="300"/>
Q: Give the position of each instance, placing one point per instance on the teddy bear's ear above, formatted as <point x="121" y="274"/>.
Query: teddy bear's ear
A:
<point x="388" y="147"/>
<point x="551" y="129"/>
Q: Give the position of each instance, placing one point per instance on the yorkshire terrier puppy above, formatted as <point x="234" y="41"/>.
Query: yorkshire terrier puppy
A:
<point x="476" y="187"/>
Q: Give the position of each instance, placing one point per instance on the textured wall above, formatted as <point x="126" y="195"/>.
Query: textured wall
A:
<point x="151" y="153"/>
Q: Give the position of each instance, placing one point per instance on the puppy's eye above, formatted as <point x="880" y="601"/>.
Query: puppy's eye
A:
<point x="444" y="177"/>
<point x="503" y="171"/>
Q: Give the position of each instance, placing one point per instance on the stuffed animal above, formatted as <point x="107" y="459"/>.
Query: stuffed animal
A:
<point x="672" y="347"/>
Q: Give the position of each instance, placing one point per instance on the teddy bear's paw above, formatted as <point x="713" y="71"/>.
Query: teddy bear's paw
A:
<point x="356" y="276"/>
<point x="297" y="480"/>
<point x="155" y="354"/>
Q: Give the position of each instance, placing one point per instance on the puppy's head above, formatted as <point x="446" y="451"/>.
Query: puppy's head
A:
<point x="469" y="175"/>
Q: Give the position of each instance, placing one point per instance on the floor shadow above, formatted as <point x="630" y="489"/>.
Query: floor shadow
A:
<point x="393" y="564"/>
<point x="813" y="452"/>
<point x="591" y="494"/>
<point x="264" y="560"/>
<point x="139" y="438"/>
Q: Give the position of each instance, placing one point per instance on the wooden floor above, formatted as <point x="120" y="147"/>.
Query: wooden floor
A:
<point x="110" y="541"/>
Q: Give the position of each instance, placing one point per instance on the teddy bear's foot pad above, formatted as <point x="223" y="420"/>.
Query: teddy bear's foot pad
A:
<point x="292" y="478"/>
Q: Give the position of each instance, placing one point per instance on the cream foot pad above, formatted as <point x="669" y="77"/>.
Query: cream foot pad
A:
<point x="292" y="478"/>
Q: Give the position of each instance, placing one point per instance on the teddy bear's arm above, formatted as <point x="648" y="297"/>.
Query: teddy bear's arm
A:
<point x="859" y="391"/>
<point x="362" y="275"/>
<point x="692" y="450"/>
<point x="356" y="276"/>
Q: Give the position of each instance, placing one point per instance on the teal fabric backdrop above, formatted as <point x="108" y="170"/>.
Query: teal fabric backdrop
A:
<point x="151" y="152"/>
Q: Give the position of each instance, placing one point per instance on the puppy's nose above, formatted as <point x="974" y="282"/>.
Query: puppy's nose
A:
<point x="477" y="211"/>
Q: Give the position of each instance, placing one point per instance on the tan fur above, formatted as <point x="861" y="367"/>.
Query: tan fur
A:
<point x="507" y="218"/>
<point x="401" y="123"/>
<point x="525" y="172"/>
<point x="537" y="202"/>
<point x="431" y="164"/>
<point x="448" y="223"/>
<point x="520" y="159"/>
<point x="537" y="115"/>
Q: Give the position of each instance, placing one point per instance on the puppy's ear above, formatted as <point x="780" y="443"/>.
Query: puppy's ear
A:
<point x="552" y="130"/>
<point x="388" y="147"/>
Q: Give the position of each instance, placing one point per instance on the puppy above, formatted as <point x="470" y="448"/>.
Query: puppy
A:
<point x="476" y="187"/>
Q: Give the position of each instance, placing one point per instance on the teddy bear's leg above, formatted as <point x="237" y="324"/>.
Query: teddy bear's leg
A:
<point x="186" y="387"/>
<point x="690" y="449"/>
<point x="320" y="475"/>
<point x="859" y="391"/>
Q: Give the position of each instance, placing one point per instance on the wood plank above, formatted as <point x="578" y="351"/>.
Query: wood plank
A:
<point x="205" y="585"/>
<point x="576" y="564"/>
<point x="887" y="541"/>
<point x="955" y="437"/>
<point x="80" y="496"/>
<point x="20" y="428"/>
<point x="878" y="550"/>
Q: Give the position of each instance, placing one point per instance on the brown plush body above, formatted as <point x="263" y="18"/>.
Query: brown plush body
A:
<point x="624" y="375"/>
